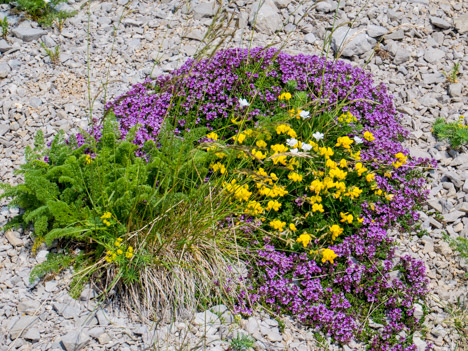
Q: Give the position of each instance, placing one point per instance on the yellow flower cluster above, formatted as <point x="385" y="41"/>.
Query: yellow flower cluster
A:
<point x="88" y="159"/>
<point x="240" y="192"/>
<point x="328" y="255"/>
<point x="112" y="255"/>
<point x="218" y="167"/>
<point x="105" y="218"/>
<point x="402" y="159"/>
<point x="286" y="129"/>
<point x="212" y="136"/>
<point x="347" y="118"/>
<point x="285" y="96"/>
<point x="304" y="239"/>
<point x="277" y="224"/>
<point x="369" y="136"/>
<point x="344" y="142"/>
<point x="335" y="230"/>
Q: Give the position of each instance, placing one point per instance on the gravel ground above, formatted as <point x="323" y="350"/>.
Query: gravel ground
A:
<point x="418" y="40"/>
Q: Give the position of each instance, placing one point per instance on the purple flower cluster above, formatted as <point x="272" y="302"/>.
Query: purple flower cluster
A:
<point x="328" y="297"/>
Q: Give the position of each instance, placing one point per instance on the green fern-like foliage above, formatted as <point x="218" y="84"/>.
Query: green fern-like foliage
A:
<point x="68" y="187"/>
<point x="456" y="133"/>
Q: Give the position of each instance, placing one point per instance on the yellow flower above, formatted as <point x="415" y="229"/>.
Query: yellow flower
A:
<point x="108" y="259"/>
<point x="346" y="217"/>
<point x="343" y="163"/>
<point x="360" y="219"/>
<point x="378" y="192"/>
<point x="119" y="252"/>
<point x="261" y="143"/>
<point x="220" y="155"/>
<point x="128" y="254"/>
<point x="277" y="224"/>
<point x="292" y="227"/>
<point x="279" y="148"/>
<point x="212" y="136"/>
<point x="328" y="255"/>
<point x="353" y="192"/>
<point x="239" y="138"/>
<point x="360" y="168"/>
<point x="388" y="174"/>
<point x="258" y="154"/>
<point x="88" y="159"/>
<point x="254" y="208"/>
<point x="389" y="197"/>
<point x="304" y="239"/>
<point x="117" y="243"/>
<point x="316" y="186"/>
<point x="218" y="167"/>
<point x="370" y="177"/>
<point x="336" y="230"/>
<point x="273" y="205"/>
<point x="344" y="141"/>
<point x="106" y="215"/>
<point x="326" y="151"/>
<point x="285" y="96"/>
<point x="295" y="177"/>
<point x="331" y="164"/>
<point x="338" y="173"/>
<point x="369" y="136"/>
<point x="109" y="252"/>
<point x="317" y="208"/>
<point x="292" y="133"/>
<point x="130" y="249"/>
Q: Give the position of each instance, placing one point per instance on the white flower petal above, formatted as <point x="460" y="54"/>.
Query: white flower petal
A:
<point x="291" y="142"/>
<point x="358" y="140"/>
<point x="304" y="114"/>
<point x="294" y="151"/>
<point x="306" y="147"/>
<point x="318" y="136"/>
<point x="243" y="103"/>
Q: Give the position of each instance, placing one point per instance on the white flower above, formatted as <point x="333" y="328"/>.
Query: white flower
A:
<point x="291" y="142"/>
<point x="358" y="140"/>
<point x="304" y="114"/>
<point x="294" y="151"/>
<point x="306" y="147"/>
<point x="318" y="136"/>
<point x="243" y="103"/>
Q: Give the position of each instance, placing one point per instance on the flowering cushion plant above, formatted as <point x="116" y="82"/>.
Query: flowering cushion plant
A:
<point x="320" y="173"/>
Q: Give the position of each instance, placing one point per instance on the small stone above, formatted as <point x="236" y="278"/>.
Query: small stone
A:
<point x="26" y="33"/>
<point x="4" y="70"/>
<point x="440" y="23"/>
<point x="349" y="42"/>
<point x="204" y="318"/>
<point x="310" y="38"/>
<point x="443" y="248"/>
<point x="396" y="35"/>
<point x="32" y="335"/>
<point x="28" y="306"/>
<point x="416" y="152"/>
<point x="104" y="339"/>
<point x="205" y="10"/>
<point x="433" y="55"/>
<point x="4" y="46"/>
<point x="418" y="311"/>
<point x="453" y="216"/>
<point x="455" y="90"/>
<point x="264" y="16"/>
<point x="455" y="178"/>
<point x="401" y="56"/>
<point x="75" y="340"/>
<point x="252" y="325"/>
<point x="22" y="325"/>
<point x="432" y="78"/>
<point x="461" y="23"/>
<point x="376" y="31"/>
<point x="419" y="343"/>
<point x="13" y="238"/>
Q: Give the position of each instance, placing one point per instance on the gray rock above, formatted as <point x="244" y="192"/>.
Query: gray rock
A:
<point x="419" y="343"/>
<point x="13" y="238"/>
<point x="274" y="335"/>
<point x="195" y="35"/>
<point x="4" y="128"/>
<point x="48" y="41"/>
<point x="376" y="31"/>
<point x="67" y="311"/>
<point x="350" y="42"/>
<point x="396" y="35"/>
<point x="75" y="340"/>
<point x="433" y="55"/>
<point x="453" y="216"/>
<point x="418" y="311"/>
<point x="22" y="325"/>
<point x="443" y="248"/>
<point x="282" y="3"/>
<point x="464" y="207"/>
<point x="26" y="33"/>
<point x="265" y="17"/>
<point x="416" y="152"/>
<point x="401" y="56"/>
<point x="205" y="10"/>
<point x="204" y="318"/>
<point x="325" y="6"/>
<point x="4" y="46"/>
<point x="28" y="306"/>
<point x="104" y="339"/>
<point x="64" y="7"/>
<point x="440" y="22"/>
<point x="428" y="101"/>
<point x="32" y="334"/>
<point x="455" y="90"/>
<point x="4" y="70"/>
<point x="310" y="38"/>
<point x="432" y="78"/>
<point x="461" y="23"/>
<point x="455" y="178"/>
<point x="465" y="186"/>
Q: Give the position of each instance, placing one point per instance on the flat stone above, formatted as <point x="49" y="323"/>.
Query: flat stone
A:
<point x="274" y="335"/>
<point x="418" y="311"/>
<point x="28" y="306"/>
<point x="401" y="56"/>
<point x="416" y="152"/>
<point x="5" y="70"/>
<point x="396" y="35"/>
<point x="32" y="334"/>
<point x="349" y="42"/>
<point x="433" y="55"/>
<point x="453" y="216"/>
<point x="376" y="31"/>
<point x="419" y="343"/>
<point x="265" y="17"/>
<point x="22" y="326"/>
<point x="205" y="10"/>
<point x="67" y="311"/>
<point x="204" y="318"/>
<point x="461" y="23"/>
<point x="443" y="248"/>
<point x="455" y="90"/>
<point x="4" y="46"/>
<point x="75" y="340"/>
<point x="454" y="178"/>
<point x="13" y="238"/>
<point x="26" y="33"/>
<point x="440" y="22"/>
<point x="432" y="78"/>
<point x="464" y="207"/>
